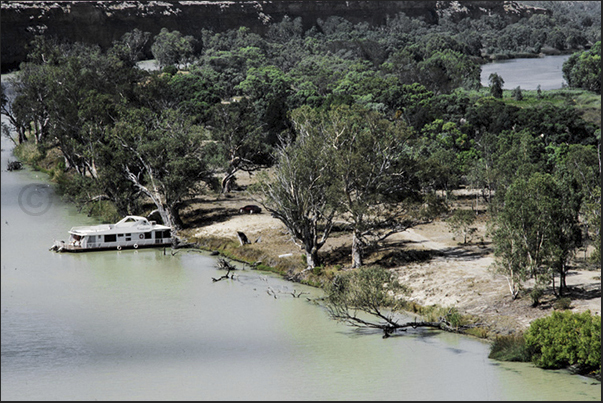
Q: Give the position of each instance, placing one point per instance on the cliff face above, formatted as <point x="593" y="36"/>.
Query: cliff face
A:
<point x="102" y="22"/>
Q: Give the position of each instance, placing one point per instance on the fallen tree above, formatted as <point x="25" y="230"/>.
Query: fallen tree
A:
<point x="369" y="297"/>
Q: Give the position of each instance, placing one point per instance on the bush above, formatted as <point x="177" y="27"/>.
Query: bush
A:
<point x="566" y="339"/>
<point x="562" y="304"/>
<point x="460" y="224"/>
<point x="535" y="295"/>
<point x="29" y="153"/>
<point x="437" y="313"/>
<point x="171" y="70"/>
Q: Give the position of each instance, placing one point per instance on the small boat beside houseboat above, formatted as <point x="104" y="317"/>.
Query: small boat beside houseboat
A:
<point x="130" y="232"/>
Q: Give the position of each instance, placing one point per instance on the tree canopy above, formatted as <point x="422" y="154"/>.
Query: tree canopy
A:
<point x="364" y="124"/>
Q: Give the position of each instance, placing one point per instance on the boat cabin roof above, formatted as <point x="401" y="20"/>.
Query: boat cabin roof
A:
<point x="129" y="223"/>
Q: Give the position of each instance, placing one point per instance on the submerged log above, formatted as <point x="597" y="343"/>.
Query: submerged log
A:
<point x="224" y="277"/>
<point x="14" y="166"/>
<point x="224" y="264"/>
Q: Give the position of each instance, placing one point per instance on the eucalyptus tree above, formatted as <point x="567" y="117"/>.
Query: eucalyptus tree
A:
<point x="30" y="108"/>
<point x="88" y="89"/>
<point x="578" y="168"/>
<point x="164" y="156"/>
<point x="515" y="155"/>
<point x="194" y="93"/>
<point x="373" y="170"/>
<point x="299" y="192"/>
<point x="17" y="122"/>
<point x="496" y="85"/>
<point x="170" y="48"/>
<point x="315" y="77"/>
<point x="268" y="88"/>
<point x="483" y="174"/>
<point x="240" y="140"/>
<point x="285" y="31"/>
<point x="445" y="70"/>
<point x="534" y="231"/>
<point x="129" y="48"/>
<point x="583" y="69"/>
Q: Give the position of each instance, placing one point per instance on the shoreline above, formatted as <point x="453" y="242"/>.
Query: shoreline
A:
<point x="428" y="259"/>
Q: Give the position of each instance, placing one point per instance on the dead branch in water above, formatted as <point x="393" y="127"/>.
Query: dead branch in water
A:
<point x="298" y="294"/>
<point x="224" y="264"/>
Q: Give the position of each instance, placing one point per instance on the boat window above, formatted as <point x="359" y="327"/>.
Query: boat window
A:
<point x="120" y="235"/>
<point x="158" y="234"/>
<point x="110" y="238"/>
<point x="166" y="234"/>
<point x="148" y="235"/>
<point x="128" y="234"/>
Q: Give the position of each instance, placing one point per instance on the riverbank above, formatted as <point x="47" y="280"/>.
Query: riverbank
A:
<point x="146" y="325"/>
<point x="437" y="269"/>
<point x="428" y="259"/>
<point x="545" y="51"/>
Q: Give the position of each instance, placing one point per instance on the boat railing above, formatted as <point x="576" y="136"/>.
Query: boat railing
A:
<point x="95" y="228"/>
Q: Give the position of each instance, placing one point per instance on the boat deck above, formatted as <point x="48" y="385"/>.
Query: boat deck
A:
<point x="64" y="247"/>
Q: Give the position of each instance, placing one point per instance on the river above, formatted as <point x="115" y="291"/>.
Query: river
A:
<point x="527" y="73"/>
<point x="146" y="325"/>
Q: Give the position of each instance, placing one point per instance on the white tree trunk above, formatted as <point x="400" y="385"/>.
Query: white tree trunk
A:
<point x="155" y="195"/>
<point x="356" y="251"/>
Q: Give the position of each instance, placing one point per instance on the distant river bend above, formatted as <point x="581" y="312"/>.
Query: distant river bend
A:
<point x="527" y="73"/>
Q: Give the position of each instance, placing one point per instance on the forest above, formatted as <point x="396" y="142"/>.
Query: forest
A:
<point x="374" y="125"/>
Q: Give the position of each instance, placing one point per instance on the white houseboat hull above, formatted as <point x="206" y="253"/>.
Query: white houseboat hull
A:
<point x="132" y="232"/>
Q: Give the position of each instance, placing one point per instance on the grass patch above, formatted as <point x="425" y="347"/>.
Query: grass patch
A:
<point x="509" y="348"/>
<point x="479" y="332"/>
<point x="29" y="153"/>
<point x="257" y="257"/>
<point x="562" y="304"/>
<point x="249" y="254"/>
<point x="436" y="313"/>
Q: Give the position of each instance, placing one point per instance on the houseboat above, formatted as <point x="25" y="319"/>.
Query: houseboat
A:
<point x="130" y="232"/>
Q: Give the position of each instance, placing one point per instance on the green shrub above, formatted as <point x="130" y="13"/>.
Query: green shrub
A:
<point x="171" y="70"/>
<point x="535" y="295"/>
<point x="437" y="313"/>
<point x="30" y="153"/>
<point x="566" y="339"/>
<point x="562" y="304"/>
<point x="454" y="318"/>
